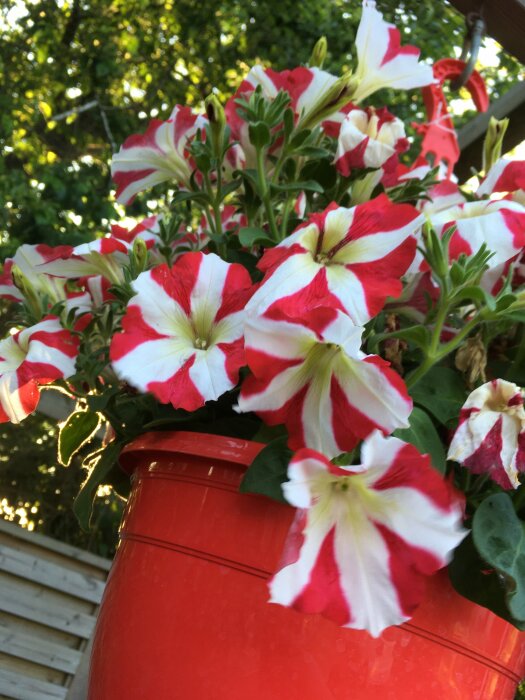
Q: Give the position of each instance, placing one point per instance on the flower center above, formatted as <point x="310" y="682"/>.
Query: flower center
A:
<point x="200" y="343"/>
<point x="322" y="258"/>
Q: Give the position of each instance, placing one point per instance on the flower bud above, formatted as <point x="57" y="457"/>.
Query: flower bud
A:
<point x="140" y="254"/>
<point x="338" y="95"/>
<point x="493" y="142"/>
<point x="318" y="56"/>
<point x="217" y="120"/>
<point x="24" y="285"/>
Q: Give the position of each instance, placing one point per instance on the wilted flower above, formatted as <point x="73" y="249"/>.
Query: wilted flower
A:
<point x="490" y="437"/>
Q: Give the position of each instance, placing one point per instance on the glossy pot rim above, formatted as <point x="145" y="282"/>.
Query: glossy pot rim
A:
<point x="217" y="447"/>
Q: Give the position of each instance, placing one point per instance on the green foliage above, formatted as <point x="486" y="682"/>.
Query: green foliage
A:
<point x="268" y="470"/>
<point x="99" y="465"/>
<point x="442" y="393"/>
<point x="74" y="433"/>
<point x="36" y="491"/>
<point x="423" y="435"/>
<point x="499" y="536"/>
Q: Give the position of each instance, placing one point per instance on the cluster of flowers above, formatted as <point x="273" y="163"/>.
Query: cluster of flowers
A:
<point x="366" y="534"/>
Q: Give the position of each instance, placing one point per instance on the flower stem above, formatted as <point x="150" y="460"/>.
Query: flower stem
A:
<point x="264" y="191"/>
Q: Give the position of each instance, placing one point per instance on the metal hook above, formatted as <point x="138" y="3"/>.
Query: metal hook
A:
<point x="471" y="45"/>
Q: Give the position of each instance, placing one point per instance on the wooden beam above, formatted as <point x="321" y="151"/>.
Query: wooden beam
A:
<point x="505" y="20"/>
<point x="471" y="136"/>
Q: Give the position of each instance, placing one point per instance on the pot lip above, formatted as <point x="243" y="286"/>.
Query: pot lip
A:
<point x="217" y="447"/>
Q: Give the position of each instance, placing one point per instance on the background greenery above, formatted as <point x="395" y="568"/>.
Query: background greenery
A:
<point x="78" y="77"/>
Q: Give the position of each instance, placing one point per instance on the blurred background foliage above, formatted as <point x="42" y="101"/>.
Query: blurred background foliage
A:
<point x="79" y="76"/>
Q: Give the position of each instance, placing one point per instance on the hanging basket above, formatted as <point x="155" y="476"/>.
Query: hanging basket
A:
<point x="185" y="613"/>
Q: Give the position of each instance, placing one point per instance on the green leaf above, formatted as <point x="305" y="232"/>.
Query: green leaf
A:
<point x="423" y="435"/>
<point x="499" y="536"/>
<point x="251" y="235"/>
<point x="418" y="335"/>
<point x="259" y="134"/>
<point x="305" y="185"/>
<point x="473" y="580"/>
<point x="105" y="460"/>
<point x="76" y="431"/>
<point x="442" y="393"/>
<point x="268" y="470"/>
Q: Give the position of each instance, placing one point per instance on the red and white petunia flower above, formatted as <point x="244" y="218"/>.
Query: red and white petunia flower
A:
<point x="504" y="176"/>
<point x="158" y="155"/>
<point x="105" y="256"/>
<point x="443" y="196"/>
<point x="370" y="138"/>
<point x="32" y="357"/>
<point x="354" y="258"/>
<point x="490" y="437"/>
<point x="310" y="375"/>
<point x="147" y="230"/>
<point x="29" y="259"/>
<point x="8" y="290"/>
<point x="382" y="61"/>
<point x="366" y="535"/>
<point x="308" y="89"/>
<point x="183" y="332"/>
<point x="499" y="224"/>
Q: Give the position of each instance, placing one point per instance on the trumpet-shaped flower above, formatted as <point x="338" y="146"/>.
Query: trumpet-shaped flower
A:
<point x="382" y="61"/>
<point x="310" y="374"/>
<point x="29" y="358"/>
<point x="367" y="535"/>
<point x="104" y="256"/>
<point x="158" y="155"/>
<point x="310" y="89"/>
<point x="504" y="176"/>
<point x="354" y="258"/>
<point x="29" y="259"/>
<point x="499" y="224"/>
<point x="369" y="138"/>
<point x="183" y="332"/>
<point x="147" y="230"/>
<point x="490" y="437"/>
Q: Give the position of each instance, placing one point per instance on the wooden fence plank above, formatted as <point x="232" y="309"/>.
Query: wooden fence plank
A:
<point x="38" y="609"/>
<point x="67" y="550"/>
<point x="19" y="687"/>
<point x="57" y="577"/>
<point x="39" y="651"/>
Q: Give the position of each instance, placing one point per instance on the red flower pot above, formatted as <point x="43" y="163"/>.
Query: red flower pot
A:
<point x="185" y="613"/>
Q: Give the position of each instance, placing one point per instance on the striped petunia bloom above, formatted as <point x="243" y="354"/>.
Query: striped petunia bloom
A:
<point x="370" y="138"/>
<point x="490" y="437"/>
<point x="382" y="61"/>
<point x="104" y="256"/>
<point x="147" y="230"/>
<point x="504" y="176"/>
<point x="183" y="332"/>
<point x="352" y="259"/>
<point x="499" y="224"/>
<point x="366" y="536"/>
<point x="308" y="88"/>
<point x="29" y="259"/>
<point x="310" y="374"/>
<point x="158" y="155"/>
<point x="29" y="358"/>
<point x="8" y="290"/>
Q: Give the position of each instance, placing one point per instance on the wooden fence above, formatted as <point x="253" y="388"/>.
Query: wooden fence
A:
<point x="49" y="597"/>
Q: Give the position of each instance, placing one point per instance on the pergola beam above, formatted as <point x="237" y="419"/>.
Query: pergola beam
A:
<point x="505" y="21"/>
<point x="471" y="136"/>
